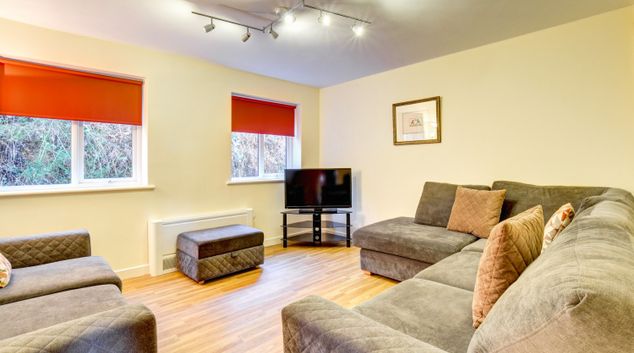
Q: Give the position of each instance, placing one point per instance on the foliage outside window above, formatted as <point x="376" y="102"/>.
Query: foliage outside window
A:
<point x="259" y="156"/>
<point x="37" y="152"/>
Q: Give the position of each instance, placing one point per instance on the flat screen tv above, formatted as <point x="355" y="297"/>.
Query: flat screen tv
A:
<point x="318" y="188"/>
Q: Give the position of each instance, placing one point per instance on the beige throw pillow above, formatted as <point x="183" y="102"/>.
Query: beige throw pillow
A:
<point x="512" y="246"/>
<point x="476" y="211"/>
<point x="5" y="271"/>
<point x="556" y="224"/>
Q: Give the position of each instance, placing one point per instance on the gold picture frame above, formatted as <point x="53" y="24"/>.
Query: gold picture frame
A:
<point x="417" y="121"/>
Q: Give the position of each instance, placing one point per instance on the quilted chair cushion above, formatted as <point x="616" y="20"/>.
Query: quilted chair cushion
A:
<point x="512" y="246"/>
<point x="45" y="248"/>
<point x="48" y="310"/>
<point x="131" y="328"/>
<point x="35" y="281"/>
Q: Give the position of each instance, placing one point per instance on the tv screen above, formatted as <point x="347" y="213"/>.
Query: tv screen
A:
<point x="318" y="188"/>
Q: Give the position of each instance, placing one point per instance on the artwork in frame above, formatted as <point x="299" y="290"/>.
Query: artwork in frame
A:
<point x="416" y="122"/>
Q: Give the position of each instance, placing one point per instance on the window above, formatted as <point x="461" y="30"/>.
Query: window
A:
<point x="263" y="141"/>
<point x="259" y="156"/>
<point x="48" y="152"/>
<point x="61" y="128"/>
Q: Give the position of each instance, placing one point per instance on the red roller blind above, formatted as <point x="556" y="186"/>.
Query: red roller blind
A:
<point x="41" y="91"/>
<point x="260" y="117"/>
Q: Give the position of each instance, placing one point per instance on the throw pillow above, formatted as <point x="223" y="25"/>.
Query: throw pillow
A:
<point x="556" y="224"/>
<point x="436" y="201"/>
<point x="5" y="271"/>
<point x="512" y="246"/>
<point x="476" y="211"/>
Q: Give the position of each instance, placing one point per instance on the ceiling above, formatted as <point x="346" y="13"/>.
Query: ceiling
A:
<point x="403" y="31"/>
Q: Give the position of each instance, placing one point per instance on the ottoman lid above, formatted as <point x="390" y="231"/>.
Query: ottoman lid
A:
<point x="204" y="243"/>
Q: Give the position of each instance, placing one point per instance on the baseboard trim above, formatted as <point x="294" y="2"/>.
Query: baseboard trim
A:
<point x="272" y="241"/>
<point x="134" y="271"/>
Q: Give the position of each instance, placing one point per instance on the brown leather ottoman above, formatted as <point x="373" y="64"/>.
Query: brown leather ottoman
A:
<point x="214" y="252"/>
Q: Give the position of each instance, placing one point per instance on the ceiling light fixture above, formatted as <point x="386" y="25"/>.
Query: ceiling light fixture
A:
<point x="358" y="29"/>
<point x="210" y="26"/>
<point x="246" y="36"/>
<point x="287" y="15"/>
<point x="324" y="19"/>
<point x="273" y="33"/>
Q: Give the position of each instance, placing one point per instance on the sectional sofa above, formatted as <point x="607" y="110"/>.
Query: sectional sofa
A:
<point x="577" y="296"/>
<point x="62" y="299"/>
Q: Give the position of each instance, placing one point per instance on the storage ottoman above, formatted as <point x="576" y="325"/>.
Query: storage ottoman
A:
<point x="214" y="252"/>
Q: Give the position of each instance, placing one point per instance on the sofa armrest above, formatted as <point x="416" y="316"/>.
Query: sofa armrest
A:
<point x="130" y="328"/>
<point x="316" y="325"/>
<point x="41" y="249"/>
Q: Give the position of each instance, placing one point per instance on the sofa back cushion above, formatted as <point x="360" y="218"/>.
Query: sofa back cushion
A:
<point x="577" y="296"/>
<point x="520" y="197"/>
<point x="434" y="207"/>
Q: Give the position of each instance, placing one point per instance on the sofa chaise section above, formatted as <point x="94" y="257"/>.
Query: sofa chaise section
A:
<point x="399" y="248"/>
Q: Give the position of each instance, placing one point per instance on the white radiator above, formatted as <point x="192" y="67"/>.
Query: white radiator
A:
<point x="162" y="235"/>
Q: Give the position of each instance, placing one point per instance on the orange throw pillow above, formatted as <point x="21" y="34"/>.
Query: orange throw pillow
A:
<point x="512" y="246"/>
<point x="556" y="224"/>
<point x="476" y="211"/>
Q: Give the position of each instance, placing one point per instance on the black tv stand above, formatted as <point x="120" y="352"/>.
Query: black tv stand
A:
<point x="317" y="236"/>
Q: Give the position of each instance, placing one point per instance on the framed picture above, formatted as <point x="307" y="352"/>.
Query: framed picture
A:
<point x="417" y="122"/>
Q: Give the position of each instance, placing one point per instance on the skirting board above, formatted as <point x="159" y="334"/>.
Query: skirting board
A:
<point x="135" y="271"/>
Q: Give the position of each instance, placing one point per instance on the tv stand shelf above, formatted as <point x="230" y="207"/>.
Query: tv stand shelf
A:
<point x="323" y="232"/>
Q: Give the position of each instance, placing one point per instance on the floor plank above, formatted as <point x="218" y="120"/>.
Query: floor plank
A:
<point x="241" y="313"/>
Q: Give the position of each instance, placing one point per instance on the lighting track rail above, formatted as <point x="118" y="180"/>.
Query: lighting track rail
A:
<point x="287" y="15"/>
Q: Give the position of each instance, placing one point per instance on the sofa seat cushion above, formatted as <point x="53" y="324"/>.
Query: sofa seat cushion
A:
<point x="35" y="281"/>
<point x="458" y="270"/>
<point x="402" y="237"/>
<point x="48" y="310"/>
<point x="477" y="246"/>
<point x="429" y="311"/>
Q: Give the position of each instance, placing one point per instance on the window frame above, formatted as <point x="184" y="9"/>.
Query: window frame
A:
<point x="293" y="149"/>
<point x="78" y="181"/>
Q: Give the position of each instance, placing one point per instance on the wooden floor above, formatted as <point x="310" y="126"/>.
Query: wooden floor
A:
<point x="241" y="313"/>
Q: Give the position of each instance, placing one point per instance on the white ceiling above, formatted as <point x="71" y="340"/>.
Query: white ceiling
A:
<point x="403" y="31"/>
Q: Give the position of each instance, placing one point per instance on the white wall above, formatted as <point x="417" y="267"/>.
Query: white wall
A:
<point x="189" y="140"/>
<point x="551" y="107"/>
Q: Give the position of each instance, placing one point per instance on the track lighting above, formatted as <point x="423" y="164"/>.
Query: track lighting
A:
<point x="287" y="15"/>
<point x="273" y="33"/>
<point x="246" y="36"/>
<point x="358" y="29"/>
<point x="210" y="27"/>
<point x="324" y="19"/>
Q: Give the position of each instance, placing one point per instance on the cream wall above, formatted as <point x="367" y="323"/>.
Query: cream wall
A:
<point x="551" y="107"/>
<point x="188" y="125"/>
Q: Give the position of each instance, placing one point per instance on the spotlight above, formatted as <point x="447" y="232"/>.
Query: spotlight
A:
<point x="246" y="36"/>
<point x="273" y="33"/>
<point x="324" y="19"/>
<point x="288" y="17"/>
<point x="358" y="29"/>
<point x="210" y="27"/>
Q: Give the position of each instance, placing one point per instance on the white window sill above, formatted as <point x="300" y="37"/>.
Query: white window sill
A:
<point x="254" y="181"/>
<point x="76" y="190"/>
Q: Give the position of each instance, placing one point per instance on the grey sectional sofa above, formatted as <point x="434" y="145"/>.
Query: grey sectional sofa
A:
<point x="578" y="296"/>
<point x="61" y="299"/>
